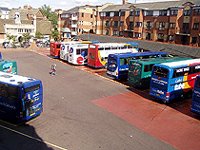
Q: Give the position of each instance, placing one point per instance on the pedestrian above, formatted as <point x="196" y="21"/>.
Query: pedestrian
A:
<point x="53" y="69"/>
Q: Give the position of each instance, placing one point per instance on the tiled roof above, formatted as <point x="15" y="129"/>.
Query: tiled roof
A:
<point x="4" y="8"/>
<point x="44" y="27"/>
<point x="72" y="10"/>
<point x="116" y="7"/>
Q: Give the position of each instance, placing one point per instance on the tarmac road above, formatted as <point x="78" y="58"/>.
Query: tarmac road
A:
<point x="72" y="120"/>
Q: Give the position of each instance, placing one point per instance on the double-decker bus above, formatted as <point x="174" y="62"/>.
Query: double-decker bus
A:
<point x="64" y="48"/>
<point x="139" y="73"/>
<point x="117" y="67"/>
<point x="196" y="97"/>
<point x="8" y="66"/>
<point x="78" y="54"/>
<point x="174" y="79"/>
<point x="21" y="98"/>
<point x="98" y="53"/>
<point x="55" y="49"/>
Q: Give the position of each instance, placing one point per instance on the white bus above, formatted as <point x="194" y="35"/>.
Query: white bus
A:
<point x="78" y="54"/>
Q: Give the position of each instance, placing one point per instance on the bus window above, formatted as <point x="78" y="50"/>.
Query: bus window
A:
<point x="160" y="72"/>
<point x="78" y="51"/>
<point x="148" y="68"/>
<point x="196" y="69"/>
<point x="100" y="48"/>
<point x="181" y="72"/>
<point x="32" y="88"/>
<point x="107" y="48"/>
<point x="58" y="45"/>
<point x="129" y="46"/>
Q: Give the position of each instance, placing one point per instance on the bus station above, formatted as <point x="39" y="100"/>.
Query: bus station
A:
<point x="85" y="109"/>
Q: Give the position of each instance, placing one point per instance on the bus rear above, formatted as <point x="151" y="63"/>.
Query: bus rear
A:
<point x="8" y="66"/>
<point x="196" y="97"/>
<point x="93" y="60"/>
<point x="55" y="49"/>
<point x="21" y="98"/>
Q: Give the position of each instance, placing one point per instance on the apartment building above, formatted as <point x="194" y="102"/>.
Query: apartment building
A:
<point x="80" y="19"/>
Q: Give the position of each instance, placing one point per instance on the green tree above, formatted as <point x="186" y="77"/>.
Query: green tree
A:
<point x="51" y="16"/>
<point x="55" y="35"/>
<point x="26" y="37"/>
<point x="38" y="35"/>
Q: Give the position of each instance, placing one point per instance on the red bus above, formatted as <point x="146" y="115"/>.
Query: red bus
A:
<point x="98" y="53"/>
<point x="55" y="49"/>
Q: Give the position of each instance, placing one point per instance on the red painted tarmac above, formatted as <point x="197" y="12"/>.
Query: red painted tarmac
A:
<point x="158" y="120"/>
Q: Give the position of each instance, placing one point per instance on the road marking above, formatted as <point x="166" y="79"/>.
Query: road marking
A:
<point x="33" y="138"/>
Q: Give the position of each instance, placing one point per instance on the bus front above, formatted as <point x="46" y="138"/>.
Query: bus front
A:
<point x="32" y="99"/>
<point x="112" y="67"/>
<point x="196" y="97"/>
<point x="159" y="83"/>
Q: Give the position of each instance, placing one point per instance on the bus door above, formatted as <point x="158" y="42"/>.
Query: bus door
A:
<point x="134" y="74"/>
<point x="196" y="97"/>
<point x="32" y="100"/>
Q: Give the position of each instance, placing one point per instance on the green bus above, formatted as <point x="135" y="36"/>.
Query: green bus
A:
<point x="139" y="73"/>
<point x="8" y="66"/>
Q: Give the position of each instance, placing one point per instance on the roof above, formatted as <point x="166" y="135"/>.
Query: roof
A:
<point x="178" y="64"/>
<point x="4" y="9"/>
<point x="14" y="79"/>
<point x="112" y="8"/>
<point x="72" y="10"/>
<point x="11" y="21"/>
<point x="43" y="27"/>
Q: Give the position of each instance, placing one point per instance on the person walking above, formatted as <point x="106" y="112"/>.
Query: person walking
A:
<point x="53" y="69"/>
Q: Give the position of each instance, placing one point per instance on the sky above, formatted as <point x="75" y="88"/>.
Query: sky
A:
<point x="63" y="4"/>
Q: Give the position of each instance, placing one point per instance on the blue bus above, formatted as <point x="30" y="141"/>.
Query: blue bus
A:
<point x="21" y="98"/>
<point x="0" y="55"/>
<point x="196" y="97"/>
<point x="174" y="79"/>
<point x="118" y="64"/>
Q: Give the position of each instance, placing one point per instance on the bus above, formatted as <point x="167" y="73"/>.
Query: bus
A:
<point x="78" y="54"/>
<point x="117" y="67"/>
<point x="0" y="56"/>
<point x="64" y="48"/>
<point x="174" y="79"/>
<point x="8" y="66"/>
<point x="139" y="73"/>
<point x="21" y="98"/>
<point x="196" y="97"/>
<point x="55" y="49"/>
<point x="98" y="53"/>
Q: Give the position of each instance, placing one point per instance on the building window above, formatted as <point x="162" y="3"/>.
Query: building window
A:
<point x="171" y="38"/>
<point x="172" y="25"/>
<point x="194" y="40"/>
<point x="137" y="35"/>
<point x="196" y="11"/>
<point x="186" y="12"/>
<point x="20" y="30"/>
<point x="107" y="24"/>
<point x="82" y="14"/>
<point x="107" y="14"/>
<point x="173" y="12"/>
<point x="115" y="32"/>
<point x="91" y="16"/>
<point x="137" y="12"/>
<point x="149" y="13"/>
<point x="148" y="25"/>
<point x="131" y="24"/>
<point x="115" y="23"/>
<point x="121" y="23"/>
<point x="122" y="13"/>
<point x="163" y="13"/>
<point x="138" y="24"/>
<point x="161" y="25"/>
<point x="131" y="13"/>
<point x="160" y="36"/>
<point x="196" y="26"/>
<point x="116" y="13"/>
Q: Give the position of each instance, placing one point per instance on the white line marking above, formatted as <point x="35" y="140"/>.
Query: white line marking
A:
<point x="33" y="138"/>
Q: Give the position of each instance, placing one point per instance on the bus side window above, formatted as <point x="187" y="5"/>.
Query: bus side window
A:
<point x="198" y="83"/>
<point x="78" y="51"/>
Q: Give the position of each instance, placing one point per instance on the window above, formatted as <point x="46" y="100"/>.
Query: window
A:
<point x="148" y="68"/>
<point x="161" y="25"/>
<point x="196" y="26"/>
<point x="160" y="72"/>
<point x="186" y="12"/>
<point x="171" y="37"/>
<point x="149" y="13"/>
<point x="82" y="14"/>
<point x="107" y="14"/>
<point x="173" y="12"/>
<point x="116" y="13"/>
<point x="78" y="51"/>
<point x="163" y="13"/>
<point x="32" y="88"/>
<point x="138" y="24"/>
<point x="137" y="35"/>
<point x="123" y="61"/>
<point x="131" y="13"/>
<point x="194" y="40"/>
<point x="196" y="11"/>
<point x="137" y="12"/>
<point x="179" y="72"/>
<point x="91" y="16"/>
<point x="122" y="13"/>
<point x="121" y="23"/>
<point x="115" y="23"/>
<point x="107" y="24"/>
<point x="172" y="25"/>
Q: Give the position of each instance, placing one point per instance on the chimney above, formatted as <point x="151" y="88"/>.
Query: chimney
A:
<point x="124" y="2"/>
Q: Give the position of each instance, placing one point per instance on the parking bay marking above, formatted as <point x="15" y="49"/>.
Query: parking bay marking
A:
<point x="33" y="138"/>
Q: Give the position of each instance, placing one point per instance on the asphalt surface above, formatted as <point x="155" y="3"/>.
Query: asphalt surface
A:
<point x="71" y="121"/>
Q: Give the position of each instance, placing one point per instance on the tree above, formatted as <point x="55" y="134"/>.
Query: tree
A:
<point x="51" y="16"/>
<point x="55" y="35"/>
<point x="26" y="37"/>
<point x="38" y="35"/>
